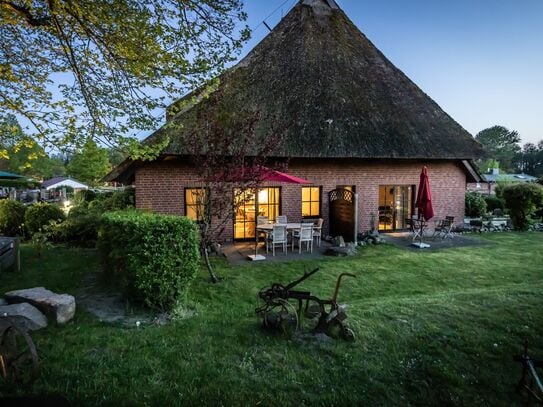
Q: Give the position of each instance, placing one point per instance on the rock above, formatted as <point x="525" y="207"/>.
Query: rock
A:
<point x="3" y="302"/>
<point x="60" y="307"/>
<point x="338" y="241"/>
<point x="348" y="250"/>
<point x="26" y="314"/>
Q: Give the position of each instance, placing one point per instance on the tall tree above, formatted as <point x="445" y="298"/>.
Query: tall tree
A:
<point x="21" y="154"/>
<point x="99" y="68"/>
<point x="90" y="164"/>
<point x="500" y="144"/>
<point x="530" y="160"/>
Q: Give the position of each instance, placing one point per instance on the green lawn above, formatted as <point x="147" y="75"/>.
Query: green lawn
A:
<point x="437" y="328"/>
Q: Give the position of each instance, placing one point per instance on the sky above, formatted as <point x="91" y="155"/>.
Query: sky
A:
<point x="480" y="60"/>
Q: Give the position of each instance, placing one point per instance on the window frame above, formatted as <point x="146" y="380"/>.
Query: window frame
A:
<point x="186" y="205"/>
<point x="319" y="215"/>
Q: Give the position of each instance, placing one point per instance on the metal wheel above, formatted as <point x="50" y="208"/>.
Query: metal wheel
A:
<point x="18" y="356"/>
<point x="281" y="315"/>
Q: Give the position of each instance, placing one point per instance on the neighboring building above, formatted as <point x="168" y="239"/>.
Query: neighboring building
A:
<point x="350" y="118"/>
<point x="59" y="182"/>
<point x="488" y="184"/>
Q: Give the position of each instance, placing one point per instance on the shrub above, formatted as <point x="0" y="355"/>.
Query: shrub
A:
<point x="523" y="200"/>
<point x="41" y="214"/>
<point x="79" y="228"/>
<point x="12" y="215"/>
<point x="493" y="202"/>
<point x="84" y="195"/>
<point x="83" y="221"/>
<point x="153" y="258"/>
<point x="475" y="204"/>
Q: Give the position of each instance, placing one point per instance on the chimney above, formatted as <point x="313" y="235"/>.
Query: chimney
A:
<point x="495" y="171"/>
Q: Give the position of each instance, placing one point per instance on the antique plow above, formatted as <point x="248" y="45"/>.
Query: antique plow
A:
<point x="18" y="356"/>
<point x="284" y="307"/>
<point x="530" y="380"/>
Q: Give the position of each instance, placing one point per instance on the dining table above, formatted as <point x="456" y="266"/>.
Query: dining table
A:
<point x="268" y="227"/>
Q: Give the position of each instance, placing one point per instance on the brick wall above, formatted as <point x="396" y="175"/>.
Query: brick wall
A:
<point x="160" y="186"/>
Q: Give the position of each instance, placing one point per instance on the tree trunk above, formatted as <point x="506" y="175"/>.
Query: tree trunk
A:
<point x="212" y="275"/>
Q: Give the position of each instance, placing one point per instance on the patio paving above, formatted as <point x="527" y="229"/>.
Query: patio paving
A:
<point x="238" y="253"/>
<point x="404" y="240"/>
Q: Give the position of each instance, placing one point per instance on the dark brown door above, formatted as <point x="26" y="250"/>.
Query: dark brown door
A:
<point x="341" y="204"/>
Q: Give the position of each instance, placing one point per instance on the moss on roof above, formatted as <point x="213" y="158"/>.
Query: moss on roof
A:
<point x="319" y="80"/>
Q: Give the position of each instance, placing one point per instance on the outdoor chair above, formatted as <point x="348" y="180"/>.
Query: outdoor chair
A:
<point x="278" y="236"/>
<point x="414" y="228"/>
<point x="262" y="220"/>
<point x="317" y="231"/>
<point x="443" y="228"/>
<point x="305" y="234"/>
<point x="281" y="219"/>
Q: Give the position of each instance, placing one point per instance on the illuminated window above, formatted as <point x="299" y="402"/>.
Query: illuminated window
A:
<point x="195" y="203"/>
<point x="311" y="201"/>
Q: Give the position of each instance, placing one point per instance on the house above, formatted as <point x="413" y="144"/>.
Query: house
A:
<point x="351" y="121"/>
<point x="488" y="184"/>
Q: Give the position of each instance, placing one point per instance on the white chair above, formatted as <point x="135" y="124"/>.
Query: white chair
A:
<point x="281" y="220"/>
<point x="262" y="220"/>
<point x="305" y="234"/>
<point x="317" y="231"/>
<point x="278" y="236"/>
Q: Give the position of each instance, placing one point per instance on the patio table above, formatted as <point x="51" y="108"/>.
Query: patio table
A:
<point x="268" y="227"/>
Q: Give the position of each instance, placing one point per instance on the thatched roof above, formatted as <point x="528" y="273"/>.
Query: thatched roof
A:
<point x="321" y="84"/>
<point x="317" y="78"/>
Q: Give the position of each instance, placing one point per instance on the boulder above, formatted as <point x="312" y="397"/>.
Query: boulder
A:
<point x="26" y="314"/>
<point x="338" y="241"/>
<point x="348" y="250"/>
<point x="60" y="307"/>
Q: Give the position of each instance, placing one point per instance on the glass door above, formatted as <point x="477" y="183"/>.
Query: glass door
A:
<point x="395" y="206"/>
<point x="267" y="201"/>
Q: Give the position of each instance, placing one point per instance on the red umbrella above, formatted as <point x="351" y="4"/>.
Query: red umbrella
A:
<point x="424" y="197"/>
<point x="278" y="176"/>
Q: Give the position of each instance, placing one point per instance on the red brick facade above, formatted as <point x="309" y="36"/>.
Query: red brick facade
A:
<point x="160" y="186"/>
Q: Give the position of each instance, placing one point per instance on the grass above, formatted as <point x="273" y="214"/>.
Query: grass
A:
<point x="432" y="328"/>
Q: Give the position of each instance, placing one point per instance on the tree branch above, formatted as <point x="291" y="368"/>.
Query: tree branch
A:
<point x="26" y="13"/>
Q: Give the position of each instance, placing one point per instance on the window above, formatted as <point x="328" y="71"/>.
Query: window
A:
<point x="195" y="203"/>
<point x="311" y="202"/>
<point x="395" y="206"/>
<point x="249" y="205"/>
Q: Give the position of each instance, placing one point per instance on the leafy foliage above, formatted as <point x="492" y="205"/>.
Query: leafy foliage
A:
<point x="106" y="57"/>
<point x="523" y="200"/>
<point x="90" y="164"/>
<point x="41" y="214"/>
<point x="475" y="204"/>
<point x="154" y="258"/>
<point x="500" y="144"/>
<point x="530" y="160"/>
<point x="82" y="223"/>
<point x="494" y="202"/>
<point x="12" y="214"/>
<point x="21" y="154"/>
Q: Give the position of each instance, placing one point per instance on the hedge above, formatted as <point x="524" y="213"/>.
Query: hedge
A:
<point x="153" y="258"/>
<point x="12" y="215"/>
<point x="41" y="214"/>
<point x="475" y="204"/>
<point x="523" y="201"/>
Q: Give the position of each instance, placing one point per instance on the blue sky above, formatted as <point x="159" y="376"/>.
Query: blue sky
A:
<point x="480" y="60"/>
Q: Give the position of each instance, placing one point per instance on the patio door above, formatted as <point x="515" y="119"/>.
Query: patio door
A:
<point x="395" y="206"/>
<point x="250" y="205"/>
